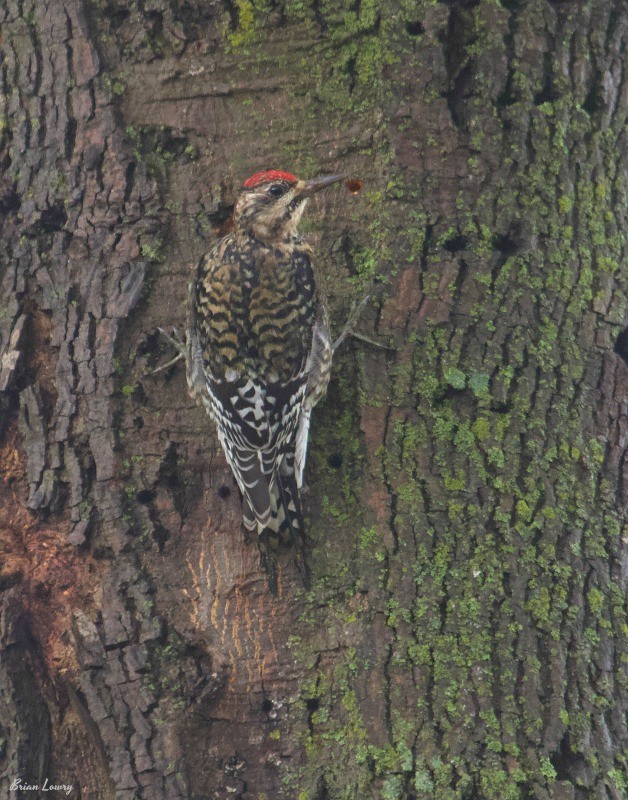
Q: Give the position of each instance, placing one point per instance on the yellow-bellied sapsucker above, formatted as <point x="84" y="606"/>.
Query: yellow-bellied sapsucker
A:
<point x="259" y="351"/>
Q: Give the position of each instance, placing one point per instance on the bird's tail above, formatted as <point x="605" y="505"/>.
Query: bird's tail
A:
<point x="285" y="528"/>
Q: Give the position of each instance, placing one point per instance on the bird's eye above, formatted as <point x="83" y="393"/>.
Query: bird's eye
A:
<point x="277" y="190"/>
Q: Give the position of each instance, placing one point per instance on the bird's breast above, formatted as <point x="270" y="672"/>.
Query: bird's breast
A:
<point x="278" y="315"/>
<point x="260" y="310"/>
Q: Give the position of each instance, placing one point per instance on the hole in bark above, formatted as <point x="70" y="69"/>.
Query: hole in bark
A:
<point x="53" y="218"/>
<point x="150" y="344"/>
<point x="10" y="202"/>
<point x="221" y="220"/>
<point x="10" y="580"/>
<point x="169" y="472"/>
<point x="593" y="102"/>
<point x="267" y="706"/>
<point x="335" y="460"/>
<point x="116" y="15"/>
<point x="145" y="496"/>
<point x="159" y="146"/>
<point x="224" y="492"/>
<point x="161" y="536"/>
<point x="506" y="244"/>
<point x="139" y="395"/>
<point x="415" y="28"/>
<point x="312" y="704"/>
<point x="621" y="345"/>
<point x="156" y="22"/>
<point x="171" y="143"/>
<point x="455" y="244"/>
<point x="568" y="765"/>
<point x="138" y="423"/>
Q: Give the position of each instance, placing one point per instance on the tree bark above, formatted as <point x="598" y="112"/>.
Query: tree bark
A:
<point x="467" y="486"/>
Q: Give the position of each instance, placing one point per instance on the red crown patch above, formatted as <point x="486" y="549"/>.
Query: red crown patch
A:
<point x="268" y="175"/>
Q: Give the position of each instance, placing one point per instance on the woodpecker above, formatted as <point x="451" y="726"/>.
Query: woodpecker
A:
<point x="259" y="351"/>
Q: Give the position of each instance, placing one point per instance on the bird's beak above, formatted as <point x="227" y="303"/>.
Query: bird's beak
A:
<point x="306" y="188"/>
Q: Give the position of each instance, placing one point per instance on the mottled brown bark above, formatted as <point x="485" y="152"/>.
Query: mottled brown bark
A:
<point x="466" y="487"/>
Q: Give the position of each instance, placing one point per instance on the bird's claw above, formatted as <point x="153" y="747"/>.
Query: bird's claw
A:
<point x="179" y="346"/>
<point x="348" y="330"/>
<point x="176" y="341"/>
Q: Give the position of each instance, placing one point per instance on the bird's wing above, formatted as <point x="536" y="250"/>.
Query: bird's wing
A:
<point x="251" y="361"/>
<point x="318" y="371"/>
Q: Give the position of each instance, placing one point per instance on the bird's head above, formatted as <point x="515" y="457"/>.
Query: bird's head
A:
<point x="271" y="203"/>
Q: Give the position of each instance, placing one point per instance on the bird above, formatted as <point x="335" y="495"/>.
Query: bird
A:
<point x="259" y="353"/>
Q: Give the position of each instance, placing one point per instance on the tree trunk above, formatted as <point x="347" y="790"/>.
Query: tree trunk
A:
<point x="467" y="486"/>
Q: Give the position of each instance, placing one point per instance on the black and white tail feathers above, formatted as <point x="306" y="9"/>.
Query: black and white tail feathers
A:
<point x="283" y="527"/>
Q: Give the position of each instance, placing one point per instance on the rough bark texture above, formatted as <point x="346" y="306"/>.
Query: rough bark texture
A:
<point x="467" y="487"/>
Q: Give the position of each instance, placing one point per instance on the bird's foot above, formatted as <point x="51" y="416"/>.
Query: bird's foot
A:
<point x="350" y="324"/>
<point x="175" y="340"/>
<point x="179" y="345"/>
